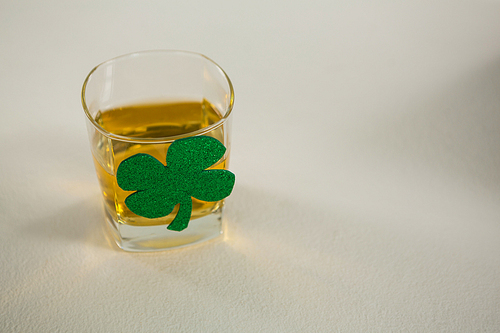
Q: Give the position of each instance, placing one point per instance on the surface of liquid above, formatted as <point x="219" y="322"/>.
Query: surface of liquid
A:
<point x="149" y="121"/>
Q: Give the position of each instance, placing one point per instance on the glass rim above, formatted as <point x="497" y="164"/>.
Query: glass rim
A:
<point x="165" y="139"/>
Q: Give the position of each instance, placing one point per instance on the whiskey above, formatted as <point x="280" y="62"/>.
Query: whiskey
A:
<point x="157" y="123"/>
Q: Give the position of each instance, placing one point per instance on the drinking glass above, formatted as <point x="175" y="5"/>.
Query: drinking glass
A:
<point x="158" y="123"/>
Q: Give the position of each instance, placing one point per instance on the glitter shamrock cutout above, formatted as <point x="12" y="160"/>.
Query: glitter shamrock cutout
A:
<point x="160" y="188"/>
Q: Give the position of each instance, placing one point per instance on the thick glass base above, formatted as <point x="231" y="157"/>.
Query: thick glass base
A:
<point x="159" y="238"/>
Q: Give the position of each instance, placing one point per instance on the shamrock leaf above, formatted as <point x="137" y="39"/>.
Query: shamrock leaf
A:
<point x="160" y="188"/>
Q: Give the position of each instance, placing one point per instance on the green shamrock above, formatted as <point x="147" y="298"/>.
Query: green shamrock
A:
<point x="160" y="188"/>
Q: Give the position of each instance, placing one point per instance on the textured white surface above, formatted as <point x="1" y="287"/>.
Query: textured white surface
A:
<point x="366" y="149"/>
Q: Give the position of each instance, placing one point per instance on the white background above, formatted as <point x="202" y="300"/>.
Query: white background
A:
<point x="366" y="146"/>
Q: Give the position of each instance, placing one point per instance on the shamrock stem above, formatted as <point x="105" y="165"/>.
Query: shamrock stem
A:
<point x="183" y="216"/>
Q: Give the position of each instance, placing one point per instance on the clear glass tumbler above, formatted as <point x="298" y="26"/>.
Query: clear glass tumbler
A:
<point x="159" y="125"/>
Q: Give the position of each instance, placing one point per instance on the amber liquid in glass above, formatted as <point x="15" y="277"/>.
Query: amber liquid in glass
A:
<point x="150" y="121"/>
